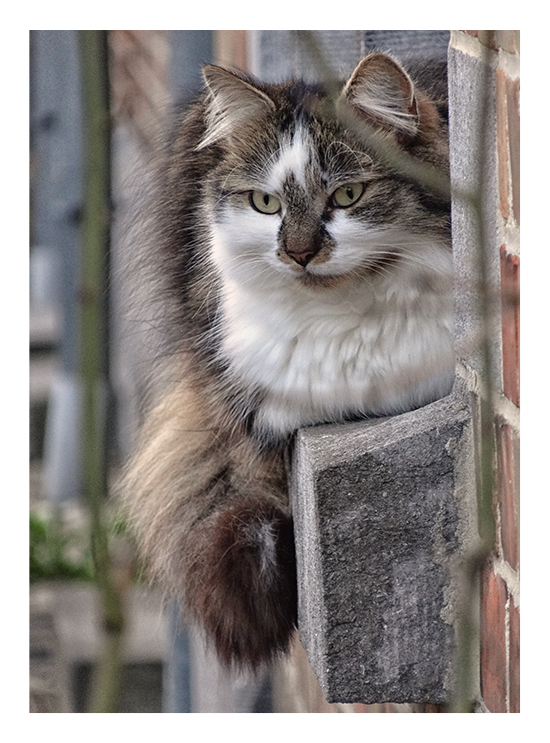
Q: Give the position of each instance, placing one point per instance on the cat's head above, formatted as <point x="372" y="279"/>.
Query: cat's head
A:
<point x="303" y="192"/>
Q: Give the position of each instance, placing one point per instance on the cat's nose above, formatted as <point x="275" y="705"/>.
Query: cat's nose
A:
<point x="301" y="247"/>
<point x="302" y="258"/>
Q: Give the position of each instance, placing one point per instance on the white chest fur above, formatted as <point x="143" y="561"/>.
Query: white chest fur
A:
<point x="381" y="345"/>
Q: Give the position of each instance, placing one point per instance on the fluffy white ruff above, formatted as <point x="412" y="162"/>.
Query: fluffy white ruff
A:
<point x="377" y="344"/>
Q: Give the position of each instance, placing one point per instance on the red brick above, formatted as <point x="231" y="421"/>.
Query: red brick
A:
<point x="508" y="489"/>
<point x="493" y="640"/>
<point x="514" y="657"/>
<point x="510" y="289"/>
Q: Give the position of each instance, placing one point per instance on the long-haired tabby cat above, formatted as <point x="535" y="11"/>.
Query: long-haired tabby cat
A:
<point x="308" y="281"/>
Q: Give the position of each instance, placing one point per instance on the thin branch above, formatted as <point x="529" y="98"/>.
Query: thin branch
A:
<point x="94" y="355"/>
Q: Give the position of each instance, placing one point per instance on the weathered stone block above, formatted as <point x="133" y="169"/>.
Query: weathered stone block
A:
<point x="474" y="182"/>
<point x="379" y="529"/>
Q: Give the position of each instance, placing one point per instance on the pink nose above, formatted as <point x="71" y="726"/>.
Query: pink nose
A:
<point x="302" y="258"/>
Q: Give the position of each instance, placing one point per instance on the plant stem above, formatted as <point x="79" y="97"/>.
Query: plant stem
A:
<point x="94" y="353"/>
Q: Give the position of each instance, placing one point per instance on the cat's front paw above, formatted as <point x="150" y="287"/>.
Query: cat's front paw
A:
<point x="242" y="582"/>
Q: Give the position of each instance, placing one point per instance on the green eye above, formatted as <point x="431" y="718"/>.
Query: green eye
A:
<point x="265" y="203"/>
<point x="348" y="194"/>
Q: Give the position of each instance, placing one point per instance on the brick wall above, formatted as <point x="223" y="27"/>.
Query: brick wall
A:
<point x="495" y="54"/>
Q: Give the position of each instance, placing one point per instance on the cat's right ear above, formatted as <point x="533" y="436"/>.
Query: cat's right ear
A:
<point x="232" y="102"/>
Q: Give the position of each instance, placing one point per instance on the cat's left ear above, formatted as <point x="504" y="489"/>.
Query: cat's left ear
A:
<point x="380" y="88"/>
<point x="232" y="103"/>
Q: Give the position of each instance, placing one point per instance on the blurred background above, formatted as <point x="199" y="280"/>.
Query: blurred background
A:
<point x="149" y="662"/>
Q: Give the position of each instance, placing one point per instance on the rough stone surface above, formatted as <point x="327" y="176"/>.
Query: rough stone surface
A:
<point x="379" y="529"/>
<point x="474" y="175"/>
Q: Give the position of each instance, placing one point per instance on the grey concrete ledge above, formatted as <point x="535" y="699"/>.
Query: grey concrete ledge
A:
<point x="380" y="518"/>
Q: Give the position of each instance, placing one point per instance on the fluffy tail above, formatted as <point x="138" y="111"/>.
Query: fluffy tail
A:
<point x="212" y="521"/>
<point x="241" y="582"/>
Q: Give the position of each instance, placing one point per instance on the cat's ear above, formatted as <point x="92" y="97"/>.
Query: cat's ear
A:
<point x="380" y="88"/>
<point x="232" y="102"/>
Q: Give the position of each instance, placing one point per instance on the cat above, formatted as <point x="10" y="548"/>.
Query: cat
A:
<point x="307" y="281"/>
